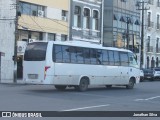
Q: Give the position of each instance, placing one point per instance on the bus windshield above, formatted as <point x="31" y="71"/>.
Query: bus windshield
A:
<point x="36" y="51"/>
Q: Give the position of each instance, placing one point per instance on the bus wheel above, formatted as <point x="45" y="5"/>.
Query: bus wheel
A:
<point x="131" y="84"/>
<point x="83" y="86"/>
<point x="60" y="87"/>
<point x="109" y="86"/>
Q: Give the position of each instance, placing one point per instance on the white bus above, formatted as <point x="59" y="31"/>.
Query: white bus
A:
<point x="79" y="64"/>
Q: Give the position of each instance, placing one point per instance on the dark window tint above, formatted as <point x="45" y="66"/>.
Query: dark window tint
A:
<point x="73" y="53"/>
<point x="99" y="57"/>
<point x="87" y="59"/>
<point x="35" y="52"/>
<point x="116" y="58"/>
<point x="157" y="69"/>
<point x="111" y="57"/>
<point x="80" y="58"/>
<point x="58" y="53"/>
<point x="124" y="59"/>
<point x="66" y="54"/>
<point x="93" y="55"/>
<point x="105" y="57"/>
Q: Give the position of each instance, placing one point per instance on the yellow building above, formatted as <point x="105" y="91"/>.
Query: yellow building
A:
<point x="40" y="20"/>
<point x="43" y="20"/>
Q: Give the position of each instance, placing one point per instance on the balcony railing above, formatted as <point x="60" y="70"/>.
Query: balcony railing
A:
<point x="149" y="48"/>
<point x="150" y="24"/>
<point x="157" y="50"/>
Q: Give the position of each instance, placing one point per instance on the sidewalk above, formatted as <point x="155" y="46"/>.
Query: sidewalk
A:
<point x="19" y="81"/>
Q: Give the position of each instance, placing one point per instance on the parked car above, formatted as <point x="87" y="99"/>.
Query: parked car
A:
<point x="148" y="74"/>
<point x="141" y="75"/>
<point x="156" y="73"/>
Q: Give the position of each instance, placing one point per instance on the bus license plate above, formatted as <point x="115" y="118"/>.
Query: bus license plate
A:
<point x="33" y="76"/>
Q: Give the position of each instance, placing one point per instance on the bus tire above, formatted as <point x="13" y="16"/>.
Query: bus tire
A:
<point x="131" y="84"/>
<point x="83" y="85"/>
<point x="60" y="87"/>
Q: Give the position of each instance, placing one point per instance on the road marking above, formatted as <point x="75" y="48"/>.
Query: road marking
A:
<point x="93" y="95"/>
<point x="89" y="107"/>
<point x="151" y="98"/>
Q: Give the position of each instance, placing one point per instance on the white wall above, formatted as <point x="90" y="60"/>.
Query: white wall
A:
<point x="54" y="13"/>
<point x="7" y="37"/>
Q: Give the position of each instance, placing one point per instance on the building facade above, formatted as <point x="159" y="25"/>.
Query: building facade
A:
<point x="7" y="37"/>
<point x="85" y="20"/>
<point x="152" y="34"/>
<point x="41" y="21"/>
<point x="121" y="24"/>
<point x="38" y="20"/>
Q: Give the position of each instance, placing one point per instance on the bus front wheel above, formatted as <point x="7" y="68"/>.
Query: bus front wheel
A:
<point x="60" y="87"/>
<point x="83" y="85"/>
<point x="130" y="84"/>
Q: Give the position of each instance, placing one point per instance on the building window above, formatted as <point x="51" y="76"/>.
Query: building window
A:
<point x="157" y="62"/>
<point x="157" y="46"/>
<point x="137" y="22"/>
<point x="123" y="19"/>
<point x="148" y="44"/>
<point x="149" y="19"/>
<point x="77" y="16"/>
<point x="63" y="37"/>
<point x="151" y="2"/>
<point x="158" y="22"/>
<point x="124" y="0"/>
<point x="95" y="20"/>
<point x="64" y="15"/>
<point x="158" y="3"/>
<point x="31" y="9"/>
<point x="115" y="17"/>
<point x="51" y="36"/>
<point x="86" y="19"/>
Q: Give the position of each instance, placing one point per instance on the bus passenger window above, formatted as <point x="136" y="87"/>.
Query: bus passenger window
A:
<point x="111" y="57"/>
<point x="132" y="61"/>
<point x="87" y="59"/>
<point x="73" y="53"/>
<point x="99" y="57"/>
<point x="80" y="58"/>
<point x="58" y="53"/>
<point x="116" y="58"/>
<point x="93" y="55"/>
<point x="66" y="54"/>
<point x="105" y="57"/>
<point x="124" y="59"/>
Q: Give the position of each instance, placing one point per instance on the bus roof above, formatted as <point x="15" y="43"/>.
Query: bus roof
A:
<point x="87" y="44"/>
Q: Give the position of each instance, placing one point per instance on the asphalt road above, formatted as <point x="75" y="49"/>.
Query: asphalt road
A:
<point x="144" y="97"/>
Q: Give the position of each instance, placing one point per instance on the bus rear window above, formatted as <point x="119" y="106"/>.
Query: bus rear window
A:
<point x="35" y="51"/>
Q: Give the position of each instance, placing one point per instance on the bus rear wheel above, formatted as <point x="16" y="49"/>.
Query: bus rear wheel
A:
<point x="130" y="84"/>
<point x="83" y="85"/>
<point x="60" y="87"/>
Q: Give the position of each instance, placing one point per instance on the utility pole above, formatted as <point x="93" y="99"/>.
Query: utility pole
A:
<point x="142" y="33"/>
<point x="127" y="35"/>
<point x="15" y="43"/>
